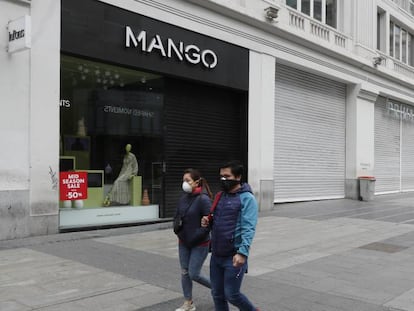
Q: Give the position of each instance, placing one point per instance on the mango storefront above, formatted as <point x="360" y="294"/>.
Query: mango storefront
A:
<point x="142" y="100"/>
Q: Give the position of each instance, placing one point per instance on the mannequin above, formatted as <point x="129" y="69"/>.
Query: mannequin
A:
<point x="120" y="191"/>
<point x="81" y="127"/>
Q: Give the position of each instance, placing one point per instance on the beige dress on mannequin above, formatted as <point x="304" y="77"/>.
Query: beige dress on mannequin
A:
<point x="120" y="191"/>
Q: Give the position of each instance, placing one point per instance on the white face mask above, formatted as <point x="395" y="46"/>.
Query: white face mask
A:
<point x="187" y="187"/>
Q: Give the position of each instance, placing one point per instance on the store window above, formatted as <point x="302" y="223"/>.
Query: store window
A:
<point x="111" y="128"/>
<point x="401" y="44"/>
<point x="324" y="11"/>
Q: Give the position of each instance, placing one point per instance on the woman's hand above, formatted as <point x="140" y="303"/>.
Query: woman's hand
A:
<point x="205" y="221"/>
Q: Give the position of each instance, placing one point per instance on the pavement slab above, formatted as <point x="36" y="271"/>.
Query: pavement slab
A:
<point x="36" y="280"/>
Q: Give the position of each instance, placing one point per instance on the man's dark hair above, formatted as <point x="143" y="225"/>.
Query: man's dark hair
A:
<point x="235" y="166"/>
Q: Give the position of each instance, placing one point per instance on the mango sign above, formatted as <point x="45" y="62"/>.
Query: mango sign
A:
<point x="73" y="186"/>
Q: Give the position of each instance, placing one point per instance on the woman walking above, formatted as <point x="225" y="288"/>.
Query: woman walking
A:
<point x="194" y="240"/>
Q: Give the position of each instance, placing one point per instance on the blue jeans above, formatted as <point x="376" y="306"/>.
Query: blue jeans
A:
<point x="191" y="262"/>
<point x="226" y="281"/>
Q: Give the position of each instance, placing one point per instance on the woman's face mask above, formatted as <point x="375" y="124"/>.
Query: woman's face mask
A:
<point x="187" y="187"/>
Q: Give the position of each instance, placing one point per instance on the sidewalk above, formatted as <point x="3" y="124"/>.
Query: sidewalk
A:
<point x="331" y="255"/>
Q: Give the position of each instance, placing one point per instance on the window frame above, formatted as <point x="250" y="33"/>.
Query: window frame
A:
<point x="397" y="45"/>
<point x="410" y="44"/>
<point x="391" y="38"/>
<point x="311" y="11"/>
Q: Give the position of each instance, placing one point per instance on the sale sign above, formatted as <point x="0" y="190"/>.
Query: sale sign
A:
<point x="73" y="186"/>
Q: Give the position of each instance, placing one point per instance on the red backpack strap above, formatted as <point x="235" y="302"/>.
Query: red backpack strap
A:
<point x="216" y="199"/>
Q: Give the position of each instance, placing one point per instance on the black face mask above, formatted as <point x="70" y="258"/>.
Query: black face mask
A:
<point x="228" y="184"/>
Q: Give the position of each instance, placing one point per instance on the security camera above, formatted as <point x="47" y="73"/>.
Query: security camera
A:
<point x="377" y="60"/>
<point x="271" y="13"/>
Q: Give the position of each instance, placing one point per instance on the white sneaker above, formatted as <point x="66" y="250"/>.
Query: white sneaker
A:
<point x="187" y="306"/>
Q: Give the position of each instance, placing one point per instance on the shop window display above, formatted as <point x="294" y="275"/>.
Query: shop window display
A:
<point x="111" y="127"/>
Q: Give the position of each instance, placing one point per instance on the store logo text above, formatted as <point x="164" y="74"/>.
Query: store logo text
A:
<point x="400" y="111"/>
<point x="191" y="53"/>
<point x="16" y="35"/>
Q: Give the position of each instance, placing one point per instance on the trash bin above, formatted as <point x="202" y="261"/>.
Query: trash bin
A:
<point x="366" y="188"/>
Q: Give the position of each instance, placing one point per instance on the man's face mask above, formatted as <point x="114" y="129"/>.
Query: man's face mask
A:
<point x="228" y="184"/>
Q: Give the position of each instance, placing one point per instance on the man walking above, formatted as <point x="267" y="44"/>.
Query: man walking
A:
<point x="233" y="225"/>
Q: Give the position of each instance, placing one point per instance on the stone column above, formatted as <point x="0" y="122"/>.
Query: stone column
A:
<point x="261" y="127"/>
<point x="360" y="130"/>
<point x="44" y="117"/>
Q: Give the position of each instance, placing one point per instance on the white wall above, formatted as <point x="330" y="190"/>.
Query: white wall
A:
<point x="365" y="19"/>
<point x="365" y="129"/>
<point x="29" y="122"/>
<point x="14" y="106"/>
<point x="262" y="69"/>
<point x="44" y="116"/>
<point x="360" y="134"/>
<point x="14" y="129"/>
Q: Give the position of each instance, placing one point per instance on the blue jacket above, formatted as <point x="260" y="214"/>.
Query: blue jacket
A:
<point x="192" y="234"/>
<point x="234" y="223"/>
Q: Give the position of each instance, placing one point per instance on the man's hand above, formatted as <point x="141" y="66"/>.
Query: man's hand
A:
<point x="132" y="176"/>
<point x="238" y="260"/>
<point x="205" y="221"/>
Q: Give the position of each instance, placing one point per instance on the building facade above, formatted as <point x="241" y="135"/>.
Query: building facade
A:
<point x="309" y="94"/>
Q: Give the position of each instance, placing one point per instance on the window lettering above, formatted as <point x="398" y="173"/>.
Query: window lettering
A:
<point x="64" y="103"/>
<point x="400" y="111"/>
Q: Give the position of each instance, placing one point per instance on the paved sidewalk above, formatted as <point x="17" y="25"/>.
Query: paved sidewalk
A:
<point x="331" y="255"/>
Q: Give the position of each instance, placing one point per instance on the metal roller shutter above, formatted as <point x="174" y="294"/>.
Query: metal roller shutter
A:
<point x="387" y="149"/>
<point x="309" y="159"/>
<point x="407" y="156"/>
<point x="205" y="126"/>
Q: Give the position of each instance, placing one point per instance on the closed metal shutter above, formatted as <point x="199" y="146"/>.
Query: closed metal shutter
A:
<point x="309" y="159"/>
<point x="387" y="149"/>
<point x="407" y="155"/>
<point x="204" y="127"/>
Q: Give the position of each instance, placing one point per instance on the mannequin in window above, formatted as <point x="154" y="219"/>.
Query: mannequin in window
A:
<point x="120" y="191"/>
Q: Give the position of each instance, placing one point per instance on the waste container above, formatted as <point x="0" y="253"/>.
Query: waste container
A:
<point x="366" y="188"/>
